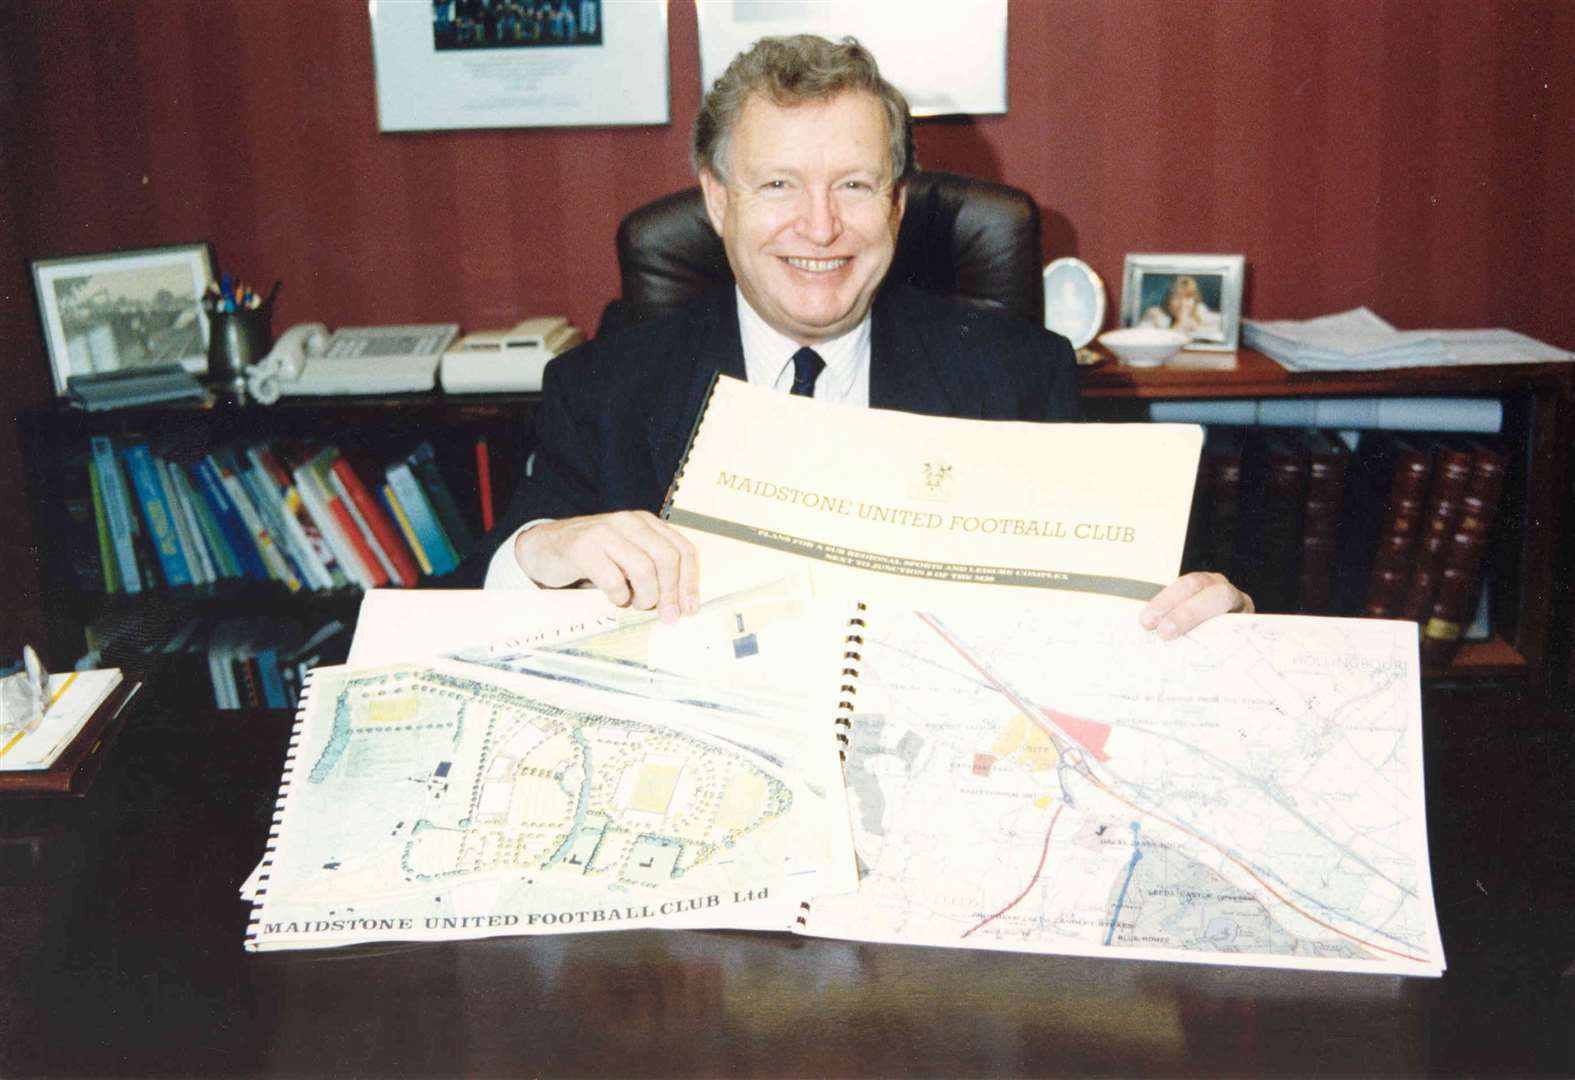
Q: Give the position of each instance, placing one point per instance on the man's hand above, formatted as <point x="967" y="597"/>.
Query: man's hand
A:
<point x="1189" y="600"/>
<point x="634" y="557"/>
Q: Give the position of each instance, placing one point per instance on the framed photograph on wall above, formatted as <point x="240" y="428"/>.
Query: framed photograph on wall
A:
<point x="1199" y="295"/>
<point x="946" y="58"/>
<point x="124" y="309"/>
<point x="452" y="64"/>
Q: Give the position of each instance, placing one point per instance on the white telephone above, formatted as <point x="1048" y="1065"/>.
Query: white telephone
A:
<point x="357" y="360"/>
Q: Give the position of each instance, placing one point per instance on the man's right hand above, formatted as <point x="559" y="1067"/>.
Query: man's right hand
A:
<point x="634" y="557"/>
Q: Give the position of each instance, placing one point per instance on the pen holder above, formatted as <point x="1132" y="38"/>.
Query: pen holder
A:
<point x="236" y="340"/>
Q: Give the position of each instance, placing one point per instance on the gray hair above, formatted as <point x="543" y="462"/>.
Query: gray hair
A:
<point x="790" y="71"/>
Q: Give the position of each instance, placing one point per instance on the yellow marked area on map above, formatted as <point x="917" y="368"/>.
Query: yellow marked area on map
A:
<point x="1028" y="743"/>
<point x="741" y="802"/>
<point x="653" y="791"/>
<point x="398" y="709"/>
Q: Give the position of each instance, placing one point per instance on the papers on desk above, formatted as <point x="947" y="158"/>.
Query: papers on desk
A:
<point x="1358" y="340"/>
<point x="1025" y="768"/>
<point x="52" y="754"/>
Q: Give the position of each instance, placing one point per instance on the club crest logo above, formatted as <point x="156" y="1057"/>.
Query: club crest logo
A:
<point x="935" y="482"/>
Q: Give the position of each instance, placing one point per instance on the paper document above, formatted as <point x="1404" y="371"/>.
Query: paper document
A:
<point x="1359" y="340"/>
<point x="1092" y="509"/>
<point x="601" y="781"/>
<point x="1250" y="793"/>
<point x="73" y="697"/>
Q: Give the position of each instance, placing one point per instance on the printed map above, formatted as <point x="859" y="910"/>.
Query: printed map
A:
<point x="446" y="801"/>
<point x="1251" y="793"/>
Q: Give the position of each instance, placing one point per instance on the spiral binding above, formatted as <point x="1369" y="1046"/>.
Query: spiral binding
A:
<point x="308" y="683"/>
<point x="852" y="658"/>
<point x="689" y="445"/>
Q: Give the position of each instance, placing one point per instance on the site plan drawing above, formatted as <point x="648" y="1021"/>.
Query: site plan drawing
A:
<point x="449" y="800"/>
<point x="1250" y="793"/>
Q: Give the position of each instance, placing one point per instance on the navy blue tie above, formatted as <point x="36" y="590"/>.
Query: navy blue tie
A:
<point x="807" y="366"/>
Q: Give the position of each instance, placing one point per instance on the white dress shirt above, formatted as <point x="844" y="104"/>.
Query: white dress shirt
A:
<point x="768" y="361"/>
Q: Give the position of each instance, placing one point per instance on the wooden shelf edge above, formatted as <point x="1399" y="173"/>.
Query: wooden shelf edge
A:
<point x="1482" y="659"/>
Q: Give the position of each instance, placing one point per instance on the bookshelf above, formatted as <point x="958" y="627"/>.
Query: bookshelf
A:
<point x="370" y="432"/>
<point x="1535" y="399"/>
<point x="1528" y="553"/>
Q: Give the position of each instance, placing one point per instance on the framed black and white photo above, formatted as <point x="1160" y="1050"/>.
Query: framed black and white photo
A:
<point x="1199" y="295"/>
<point x="124" y="309"/>
<point x="453" y="64"/>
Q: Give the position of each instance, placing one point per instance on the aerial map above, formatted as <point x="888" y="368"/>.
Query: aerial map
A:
<point x="1251" y="793"/>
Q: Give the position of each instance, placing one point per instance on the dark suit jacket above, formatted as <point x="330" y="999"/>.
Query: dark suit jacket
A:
<point x="616" y="413"/>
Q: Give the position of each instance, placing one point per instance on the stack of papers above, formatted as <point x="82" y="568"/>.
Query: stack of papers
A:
<point x="1358" y="340"/>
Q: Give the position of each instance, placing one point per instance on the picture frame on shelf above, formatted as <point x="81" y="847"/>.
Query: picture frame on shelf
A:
<point x="1074" y="303"/>
<point x="1199" y="295"/>
<point x="122" y="310"/>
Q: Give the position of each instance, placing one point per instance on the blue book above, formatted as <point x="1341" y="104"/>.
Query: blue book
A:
<point x="117" y="504"/>
<point x="423" y="519"/>
<point x="206" y="473"/>
<point x="272" y="682"/>
<point x="157" y="512"/>
<point x="423" y="462"/>
<point x="226" y="562"/>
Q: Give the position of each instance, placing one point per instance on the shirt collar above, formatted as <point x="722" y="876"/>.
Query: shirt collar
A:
<point x="768" y="355"/>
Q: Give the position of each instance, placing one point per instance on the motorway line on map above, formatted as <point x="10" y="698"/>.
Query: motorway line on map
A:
<point x="1043" y="853"/>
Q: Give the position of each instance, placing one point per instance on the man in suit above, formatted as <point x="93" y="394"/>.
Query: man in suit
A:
<point x="803" y="151"/>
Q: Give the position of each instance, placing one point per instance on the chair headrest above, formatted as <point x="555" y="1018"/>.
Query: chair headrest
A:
<point x="974" y="241"/>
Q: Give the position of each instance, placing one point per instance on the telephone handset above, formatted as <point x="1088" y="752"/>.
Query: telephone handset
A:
<point x="308" y="360"/>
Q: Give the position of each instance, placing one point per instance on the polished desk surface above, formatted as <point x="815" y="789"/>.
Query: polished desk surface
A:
<point x="121" y="953"/>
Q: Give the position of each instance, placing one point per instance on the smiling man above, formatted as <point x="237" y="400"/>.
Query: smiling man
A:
<point x="803" y="152"/>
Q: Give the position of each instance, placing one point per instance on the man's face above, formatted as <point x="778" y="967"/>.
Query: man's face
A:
<point x="809" y="214"/>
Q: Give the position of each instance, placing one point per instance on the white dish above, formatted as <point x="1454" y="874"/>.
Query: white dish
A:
<point x="1143" y="346"/>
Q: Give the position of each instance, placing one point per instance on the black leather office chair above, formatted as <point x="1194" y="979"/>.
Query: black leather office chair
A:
<point x="974" y="241"/>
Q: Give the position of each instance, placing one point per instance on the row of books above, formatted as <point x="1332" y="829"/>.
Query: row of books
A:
<point x="249" y="661"/>
<point x="282" y="510"/>
<point x="1386" y="525"/>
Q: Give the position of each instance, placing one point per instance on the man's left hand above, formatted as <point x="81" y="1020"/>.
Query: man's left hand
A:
<point x="1189" y="600"/>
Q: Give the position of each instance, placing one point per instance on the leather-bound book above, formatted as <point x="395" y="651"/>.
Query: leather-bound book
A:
<point x="1284" y="499"/>
<point x="1216" y="504"/>
<point x="1455" y="597"/>
<point x="1451" y="469"/>
<point x="1411" y="467"/>
<point x="1327" y="459"/>
<point x="1223" y="457"/>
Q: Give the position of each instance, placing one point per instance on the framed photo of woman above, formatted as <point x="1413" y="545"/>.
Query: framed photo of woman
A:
<point x="1199" y="295"/>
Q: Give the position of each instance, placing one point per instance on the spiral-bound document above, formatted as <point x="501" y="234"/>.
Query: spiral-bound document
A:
<point x="1251" y="793"/>
<point x="1029" y="770"/>
<point x="916" y="707"/>
<point x="620" y="773"/>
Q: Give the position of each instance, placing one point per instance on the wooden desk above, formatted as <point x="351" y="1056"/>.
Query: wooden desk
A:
<point x="121" y="953"/>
